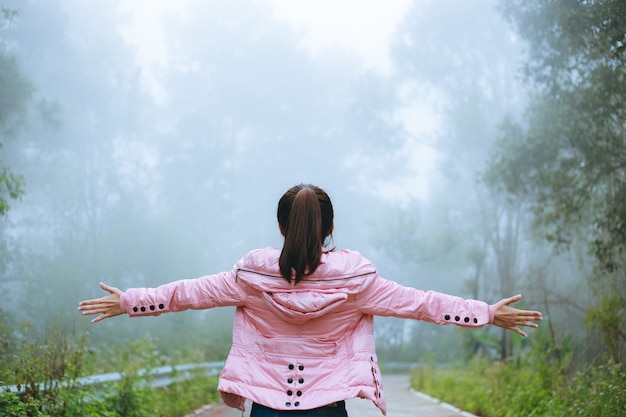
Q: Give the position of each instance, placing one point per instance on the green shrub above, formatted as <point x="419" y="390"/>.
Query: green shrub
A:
<point x="47" y="367"/>
<point x="525" y="388"/>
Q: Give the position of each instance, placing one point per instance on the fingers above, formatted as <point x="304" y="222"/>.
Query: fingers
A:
<point x="513" y="299"/>
<point x="524" y="322"/>
<point x="518" y="331"/>
<point x="104" y="309"/>
<point x="112" y="290"/>
<point x="523" y="315"/>
<point x="509" y="301"/>
<point x="86" y="303"/>
<point x="100" y="317"/>
<point x="528" y="315"/>
<point x="107" y="306"/>
<point x="93" y="309"/>
<point x="105" y="287"/>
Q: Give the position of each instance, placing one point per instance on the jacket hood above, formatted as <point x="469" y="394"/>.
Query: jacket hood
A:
<point x="300" y="307"/>
<point x="340" y="274"/>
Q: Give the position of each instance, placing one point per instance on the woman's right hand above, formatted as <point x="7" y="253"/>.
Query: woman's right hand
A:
<point x="107" y="306"/>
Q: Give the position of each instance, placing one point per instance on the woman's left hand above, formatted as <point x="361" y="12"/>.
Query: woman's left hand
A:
<point x="107" y="306"/>
<point x="509" y="317"/>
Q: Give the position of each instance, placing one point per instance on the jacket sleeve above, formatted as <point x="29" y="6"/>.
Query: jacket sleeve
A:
<point x="382" y="297"/>
<point x="197" y="294"/>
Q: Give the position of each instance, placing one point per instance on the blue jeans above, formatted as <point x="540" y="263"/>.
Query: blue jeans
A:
<point x="337" y="409"/>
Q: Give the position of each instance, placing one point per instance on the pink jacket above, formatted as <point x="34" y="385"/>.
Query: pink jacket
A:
<point x="297" y="347"/>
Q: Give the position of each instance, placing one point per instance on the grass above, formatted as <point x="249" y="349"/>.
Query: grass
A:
<point x="47" y="366"/>
<point x="526" y="388"/>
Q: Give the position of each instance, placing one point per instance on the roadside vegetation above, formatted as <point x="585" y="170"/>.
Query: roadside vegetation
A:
<point x="525" y="387"/>
<point x="47" y="366"/>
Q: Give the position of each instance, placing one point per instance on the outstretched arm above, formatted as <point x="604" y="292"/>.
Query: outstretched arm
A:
<point x="510" y="318"/>
<point x="382" y="297"/>
<point x="107" y="306"/>
<point x="201" y="293"/>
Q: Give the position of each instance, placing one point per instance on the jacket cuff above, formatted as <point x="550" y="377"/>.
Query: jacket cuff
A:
<point x="124" y="303"/>
<point x="492" y="313"/>
<point x="135" y="302"/>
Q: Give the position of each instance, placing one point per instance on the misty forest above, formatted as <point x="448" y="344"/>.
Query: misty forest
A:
<point x="483" y="155"/>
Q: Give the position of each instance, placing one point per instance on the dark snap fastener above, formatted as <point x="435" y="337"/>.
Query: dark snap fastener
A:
<point x="152" y="308"/>
<point x="288" y="404"/>
<point x="301" y="380"/>
<point x="135" y="309"/>
<point x="475" y="320"/>
<point x="291" y="366"/>
<point x="457" y="318"/>
<point x="289" y="392"/>
<point x="466" y="319"/>
<point x="297" y="403"/>
<point x="299" y="393"/>
<point x="161" y="306"/>
<point x="372" y="358"/>
<point x="143" y="309"/>
<point x="301" y="367"/>
<point x="447" y="317"/>
<point x="289" y="380"/>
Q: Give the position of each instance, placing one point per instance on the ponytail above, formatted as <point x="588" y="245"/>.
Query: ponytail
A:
<point x="305" y="216"/>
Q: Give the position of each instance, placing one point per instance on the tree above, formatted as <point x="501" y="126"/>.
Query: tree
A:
<point x="567" y="158"/>
<point x="16" y="94"/>
<point x="473" y="77"/>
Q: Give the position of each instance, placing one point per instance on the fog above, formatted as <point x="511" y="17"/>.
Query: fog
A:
<point x="163" y="135"/>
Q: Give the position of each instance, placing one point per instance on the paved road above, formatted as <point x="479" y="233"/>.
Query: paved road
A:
<point x="401" y="402"/>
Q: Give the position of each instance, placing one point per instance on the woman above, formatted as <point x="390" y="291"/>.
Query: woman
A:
<point x="303" y="335"/>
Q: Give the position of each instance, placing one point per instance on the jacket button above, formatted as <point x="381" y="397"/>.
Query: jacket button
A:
<point x="297" y="403"/>
<point x="135" y="309"/>
<point x="466" y="319"/>
<point x="447" y="317"/>
<point x="475" y="320"/>
<point x="288" y="404"/>
<point x="161" y="306"/>
<point x="457" y="318"/>
<point x="301" y="380"/>
<point x="152" y="308"/>
<point x="301" y="367"/>
<point x="143" y="309"/>
<point x="299" y="393"/>
<point x="291" y="366"/>
<point x="289" y="380"/>
<point x="289" y="392"/>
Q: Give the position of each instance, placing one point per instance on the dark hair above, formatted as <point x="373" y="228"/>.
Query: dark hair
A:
<point x="305" y="215"/>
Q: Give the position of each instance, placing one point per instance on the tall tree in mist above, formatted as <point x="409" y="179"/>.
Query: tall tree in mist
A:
<point x="463" y="58"/>
<point x="60" y="232"/>
<point x="23" y="109"/>
<point x="567" y="157"/>
<point x="16" y="95"/>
